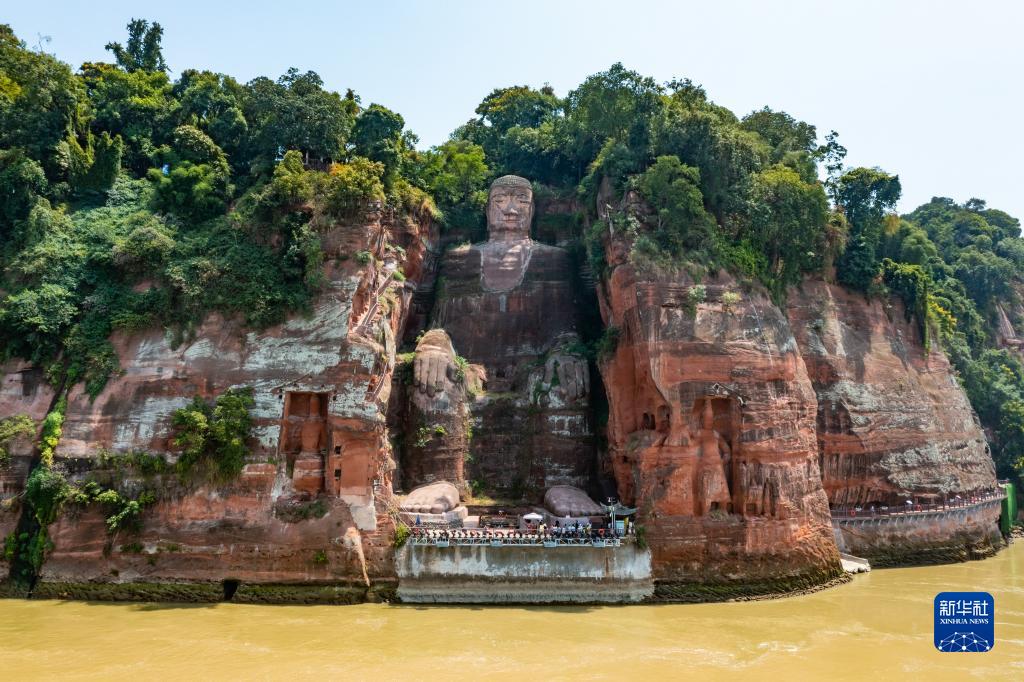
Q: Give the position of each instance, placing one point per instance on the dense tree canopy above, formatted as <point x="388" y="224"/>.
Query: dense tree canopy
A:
<point x="130" y="199"/>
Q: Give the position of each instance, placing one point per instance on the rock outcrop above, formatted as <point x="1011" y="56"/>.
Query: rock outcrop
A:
<point x="23" y="392"/>
<point x="320" y="467"/>
<point x="892" y="420"/>
<point x="711" y="433"/>
<point x="893" y="426"/>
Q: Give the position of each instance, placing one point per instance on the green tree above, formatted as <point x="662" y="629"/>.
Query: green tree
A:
<point x="519" y="106"/>
<point x="792" y="142"/>
<point x="295" y="112"/>
<point x="455" y="174"/>
<point x="32" y="321"/>
<point x="351" y="187"/>
<point x="522" y="132"/>
<point x="377" y="136"/>
<point x="788" y="220"/>
<point x="43" y="108"/>
<point x="865" y="195"/>
<point x="616" y="103"/>
<point x="139" y="106"/>
<point x="195" y="182"/>
<point x="212" y="102"/>
<point x="23" y="182"/>
<point x="707" y="137"/>
<point x="986" y="276"/>
<point x="214" y="437"/>
<point x="143" y="52"/>
<point x="673" y="190"/>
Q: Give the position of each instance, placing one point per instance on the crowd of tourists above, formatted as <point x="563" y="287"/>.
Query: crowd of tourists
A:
<point x="575" y="533"/>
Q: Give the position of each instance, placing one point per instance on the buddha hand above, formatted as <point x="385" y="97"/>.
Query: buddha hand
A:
<point x="434" y="365"/>
<point x="573" y="375"/>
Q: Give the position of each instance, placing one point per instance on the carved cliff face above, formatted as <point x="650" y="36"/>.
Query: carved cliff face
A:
<point x="509" y="210"/>
<point x="508" y="305"/>
<point x="506" y="255"/>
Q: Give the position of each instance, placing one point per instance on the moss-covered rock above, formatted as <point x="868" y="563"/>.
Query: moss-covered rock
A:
<point x="300" y="594"/>
<point x="133" y="591"/>
<point x="693" y="592"/>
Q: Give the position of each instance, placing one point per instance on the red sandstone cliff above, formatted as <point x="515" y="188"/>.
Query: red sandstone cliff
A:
<point x="892" y="420"/>
<point x="676" y="358"/>
<point x="730" y="420"/>
<point x="312" y="501"/>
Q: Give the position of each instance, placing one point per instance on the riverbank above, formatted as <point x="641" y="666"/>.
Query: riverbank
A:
<point x="628" y="584"/>
<point x="877" y="625"/>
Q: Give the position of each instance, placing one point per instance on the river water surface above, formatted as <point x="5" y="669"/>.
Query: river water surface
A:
<point x="876" y="628"/>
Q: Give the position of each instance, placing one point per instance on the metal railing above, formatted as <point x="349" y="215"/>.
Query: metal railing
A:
<point x="367" y="319"/>
<point x="440" y="538"/>
<point x="956" y="504"/>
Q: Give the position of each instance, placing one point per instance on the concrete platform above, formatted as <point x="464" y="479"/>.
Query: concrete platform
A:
<point x="854" y="564"/>
<point x="523" y="574"/>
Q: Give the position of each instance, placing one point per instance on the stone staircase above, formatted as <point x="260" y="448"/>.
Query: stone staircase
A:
<point x="587" y="275"/>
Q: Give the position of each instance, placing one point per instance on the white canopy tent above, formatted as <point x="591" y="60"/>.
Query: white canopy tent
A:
<point x="531" y="519"/>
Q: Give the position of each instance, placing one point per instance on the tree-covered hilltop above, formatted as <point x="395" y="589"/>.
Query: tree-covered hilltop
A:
<point x="129" y="199"/>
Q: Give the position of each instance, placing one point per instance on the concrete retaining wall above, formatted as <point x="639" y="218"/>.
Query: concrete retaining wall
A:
<point x="523" y="574"/>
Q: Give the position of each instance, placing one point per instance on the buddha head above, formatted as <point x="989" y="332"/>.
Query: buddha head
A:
<point x="509" y="208"/>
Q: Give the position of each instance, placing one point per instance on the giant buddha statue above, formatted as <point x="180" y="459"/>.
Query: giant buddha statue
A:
<point x="508" y="306"/>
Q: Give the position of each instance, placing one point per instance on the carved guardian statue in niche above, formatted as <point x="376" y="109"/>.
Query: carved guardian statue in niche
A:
<point x="312" y="434"/>
<point x="714" y="462"/>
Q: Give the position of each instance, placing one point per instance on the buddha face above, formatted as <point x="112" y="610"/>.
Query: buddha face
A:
<point x="509" y="212"/>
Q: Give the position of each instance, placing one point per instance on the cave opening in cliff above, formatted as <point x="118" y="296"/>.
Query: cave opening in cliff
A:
<point x="230" y="586"/>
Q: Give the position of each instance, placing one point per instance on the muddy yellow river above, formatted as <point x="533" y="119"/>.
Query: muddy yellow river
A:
<point x="879" y="627"/>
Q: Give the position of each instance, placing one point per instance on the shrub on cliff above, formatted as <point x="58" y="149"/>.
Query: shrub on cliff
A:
<point x="46" y="490"/>
<point x="213" y="437"/>
<point x="349" y="188"/>
<point x="673" y="189"/>
<point x="19" y="425"/>
<point x="194" y="182"/>
<point x="787" y="219"/>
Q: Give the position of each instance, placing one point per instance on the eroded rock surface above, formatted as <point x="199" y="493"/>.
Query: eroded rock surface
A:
<point x="712" y="431"/>
<point x="892" y="420"/>
<point x="320" y="467"/>
<point x="732" y="424"/>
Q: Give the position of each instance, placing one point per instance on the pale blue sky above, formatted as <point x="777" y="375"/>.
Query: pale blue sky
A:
<point x="929" y="90"/>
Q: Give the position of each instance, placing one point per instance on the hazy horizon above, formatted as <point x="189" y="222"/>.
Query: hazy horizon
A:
<point x="923" y="90"/>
